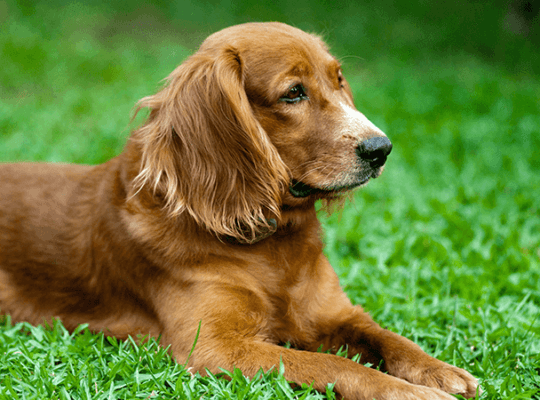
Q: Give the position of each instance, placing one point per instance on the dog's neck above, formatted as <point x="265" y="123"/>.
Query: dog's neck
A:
<point x="293" y="218"/>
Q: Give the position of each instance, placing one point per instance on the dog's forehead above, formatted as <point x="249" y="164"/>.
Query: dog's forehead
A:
<point x="275" y="56"/>
<point x="275" y="41"/>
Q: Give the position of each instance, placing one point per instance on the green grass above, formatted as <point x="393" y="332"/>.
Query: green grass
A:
<point x="55" y="364"/>
<point x="443" y="247"/>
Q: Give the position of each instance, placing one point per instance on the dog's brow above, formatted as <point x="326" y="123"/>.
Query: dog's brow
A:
<point x="300" y="69"/>
<point x="335" y="64"/>
<point x="332" y="69"/>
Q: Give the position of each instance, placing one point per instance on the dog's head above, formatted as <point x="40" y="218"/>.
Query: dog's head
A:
<point x="259" y="117"/>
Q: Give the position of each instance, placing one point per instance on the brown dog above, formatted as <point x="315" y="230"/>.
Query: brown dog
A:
<point x="208" y="217"/>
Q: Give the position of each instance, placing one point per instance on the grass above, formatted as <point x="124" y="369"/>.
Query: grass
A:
<point x="55" y="364"/>
<point x="442" y="248"/>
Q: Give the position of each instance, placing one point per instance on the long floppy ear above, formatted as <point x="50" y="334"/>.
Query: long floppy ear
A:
<point x="206" y="154"/>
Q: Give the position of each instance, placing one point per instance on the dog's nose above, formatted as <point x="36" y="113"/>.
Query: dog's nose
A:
<point x="374" y="150"/>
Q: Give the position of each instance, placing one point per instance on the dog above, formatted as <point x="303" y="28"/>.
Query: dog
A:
<point x="205" y="225"/>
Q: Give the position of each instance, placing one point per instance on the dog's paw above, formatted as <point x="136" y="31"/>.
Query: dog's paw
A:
<point x="450" y="379"/>
<point x="417" y="392"/>
<point x="437" y="374"/>
<point x="379" y="386"/>
<point x="402" y="390"/>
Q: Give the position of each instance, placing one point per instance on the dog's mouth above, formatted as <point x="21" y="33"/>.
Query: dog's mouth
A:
<point x="300" y="189"/>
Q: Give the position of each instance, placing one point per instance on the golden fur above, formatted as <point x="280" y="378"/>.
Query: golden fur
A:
<point x="207" y="217"/>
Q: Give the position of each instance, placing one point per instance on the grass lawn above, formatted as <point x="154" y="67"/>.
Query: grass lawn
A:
<point x="443" y="248"/>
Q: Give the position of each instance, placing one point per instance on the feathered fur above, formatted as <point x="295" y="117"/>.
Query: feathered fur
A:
<point x="207" y="218"/>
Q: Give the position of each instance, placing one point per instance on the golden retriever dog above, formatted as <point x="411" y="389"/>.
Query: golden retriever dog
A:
<point x="207" y="219"/>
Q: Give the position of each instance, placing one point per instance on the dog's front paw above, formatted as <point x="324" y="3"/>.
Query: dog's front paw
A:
<point x="374" y="385"/>
<point x="398" y="389"/>
<point x="450" y="379"/>
<point x="437" y="374"/>
<point x="416" y="392"/>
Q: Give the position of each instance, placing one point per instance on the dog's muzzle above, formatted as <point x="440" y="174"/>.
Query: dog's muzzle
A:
<point x="372" y="153"/>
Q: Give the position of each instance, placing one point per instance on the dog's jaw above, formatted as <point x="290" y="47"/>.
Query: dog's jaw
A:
<point x="300" y="189"/>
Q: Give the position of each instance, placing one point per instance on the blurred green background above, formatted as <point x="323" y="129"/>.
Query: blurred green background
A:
<point x="444" y="246"/>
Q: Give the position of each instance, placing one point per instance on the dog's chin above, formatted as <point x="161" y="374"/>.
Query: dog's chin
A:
<point x="300" y="189"/>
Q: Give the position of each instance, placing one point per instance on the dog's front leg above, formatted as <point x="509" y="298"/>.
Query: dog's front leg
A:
<point x="401" y="357"/>
<point x="236" y="330"/>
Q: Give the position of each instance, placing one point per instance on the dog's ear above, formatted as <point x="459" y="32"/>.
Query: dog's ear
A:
<point x="206" y="154"/>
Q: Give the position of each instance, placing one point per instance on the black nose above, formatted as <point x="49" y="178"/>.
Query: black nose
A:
<point x="374" y="150"/>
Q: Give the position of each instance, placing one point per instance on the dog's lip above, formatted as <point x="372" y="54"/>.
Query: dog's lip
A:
<point x="300" y="189"/>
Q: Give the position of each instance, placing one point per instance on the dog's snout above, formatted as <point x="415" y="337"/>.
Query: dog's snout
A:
<point x="374" y="150"/>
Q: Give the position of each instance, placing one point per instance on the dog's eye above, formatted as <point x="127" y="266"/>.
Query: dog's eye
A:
<point x="295" y="94"/>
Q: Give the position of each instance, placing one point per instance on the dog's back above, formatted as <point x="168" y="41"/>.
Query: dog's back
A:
<point x="34" y="197"/>
<point x="44" y="223"/>
<point x="34" y="208"/>
<point x="34" y="214"/>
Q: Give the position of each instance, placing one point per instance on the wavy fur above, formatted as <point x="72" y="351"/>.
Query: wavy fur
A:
<point x="203" y="149"/>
